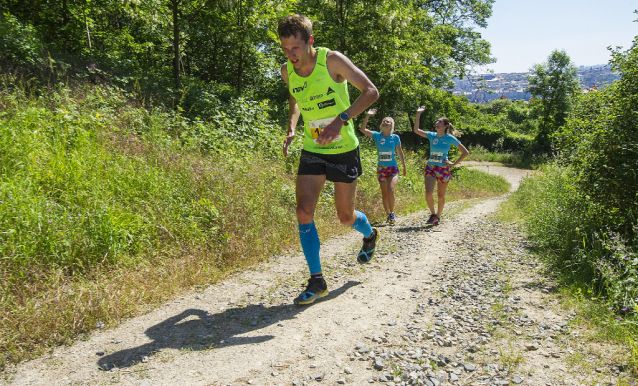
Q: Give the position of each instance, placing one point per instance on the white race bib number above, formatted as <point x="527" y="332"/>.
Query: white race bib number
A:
<point x="317" y="125"/>
<point x="385" y="156"/>
<point x="436" y="157"/>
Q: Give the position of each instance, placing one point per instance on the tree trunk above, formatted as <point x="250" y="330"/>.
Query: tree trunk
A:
<point x="342" y="16"/>
<point x="175" y="4"/>
<point x="240" y="59"/>
<point x="86" y="25"/>
<point x="65" y="13"/>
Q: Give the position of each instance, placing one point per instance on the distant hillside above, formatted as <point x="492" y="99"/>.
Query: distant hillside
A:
<point x="487" y="87"/>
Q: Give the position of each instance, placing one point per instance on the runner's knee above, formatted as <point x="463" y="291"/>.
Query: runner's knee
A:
<point x="304" y="215"/>
<point x="346" y="218"/>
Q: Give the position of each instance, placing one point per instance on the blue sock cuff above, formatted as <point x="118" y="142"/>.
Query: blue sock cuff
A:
<point x="306" y="227"/>
<point x="362" y="224"/>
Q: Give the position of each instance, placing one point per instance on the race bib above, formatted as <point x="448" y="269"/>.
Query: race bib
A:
<point x="317" y="125"/>
<point x="436" y="157"/>
<point x="385" y="156"/>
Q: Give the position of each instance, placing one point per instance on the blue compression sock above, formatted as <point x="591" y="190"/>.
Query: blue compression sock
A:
<point x="310" y="244"/>
<point x="362" y="224"/>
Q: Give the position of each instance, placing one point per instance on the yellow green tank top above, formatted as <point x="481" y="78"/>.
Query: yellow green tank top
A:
<point x="320" y="100"/>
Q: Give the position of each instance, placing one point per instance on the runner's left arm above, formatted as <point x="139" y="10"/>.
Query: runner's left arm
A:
<point x="400" y="151"/>
<point x="340" y="69"/>
<point x="464" y="153"/>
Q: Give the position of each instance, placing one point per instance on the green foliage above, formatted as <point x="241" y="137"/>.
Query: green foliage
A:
<point x="600" y="141"/>
<point x="577" y="237"/>
<point x="240" y="127"/>
<point x="59" y="210"/>
<point x="20" y="44"/>
<point x="230" y="49"/>
<point x="582" y="212"/>
<point x="555" y="82"/>
<point x="487" y="134"/>
<point x="475" y="181"/>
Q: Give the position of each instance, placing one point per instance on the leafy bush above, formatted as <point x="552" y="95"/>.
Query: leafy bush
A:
<point x="20" y="43"/>
<point x="494" y="138"/>
<point x="600" y="141"/>
<point x="59" y="210"/>
<point x="577" y="238"/>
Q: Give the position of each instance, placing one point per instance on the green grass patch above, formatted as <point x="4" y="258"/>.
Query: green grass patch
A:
<point x="595" y="265"/>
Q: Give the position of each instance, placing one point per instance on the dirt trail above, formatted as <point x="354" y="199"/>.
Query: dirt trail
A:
<point x="387" y="321"/>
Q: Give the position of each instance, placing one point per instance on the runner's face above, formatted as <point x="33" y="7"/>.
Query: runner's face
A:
<point x="439" y="125"/>
<point x="297" y="50"/>
<point x="386" y="125"/>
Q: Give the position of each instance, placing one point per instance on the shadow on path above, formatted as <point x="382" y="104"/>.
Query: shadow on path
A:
<point x="196" y="329"/>
<point x="418" y="229"/>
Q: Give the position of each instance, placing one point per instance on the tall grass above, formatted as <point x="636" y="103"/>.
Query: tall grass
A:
<point x="581" y="242"/>
<point x="524" y="159"/>
<point x="107" y="208"/>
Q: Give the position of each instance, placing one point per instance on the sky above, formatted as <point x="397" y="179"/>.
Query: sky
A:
<point x="523" y="32"/>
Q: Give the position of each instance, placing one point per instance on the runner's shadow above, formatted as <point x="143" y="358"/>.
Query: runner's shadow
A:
<point x="196" y="329"/>
<point x="424" y="228"/>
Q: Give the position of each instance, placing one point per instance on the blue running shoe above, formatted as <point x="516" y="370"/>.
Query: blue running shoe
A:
<point x="369" y="245"/>
<point x="316" y="288"/>
<point x="392" y="219"/>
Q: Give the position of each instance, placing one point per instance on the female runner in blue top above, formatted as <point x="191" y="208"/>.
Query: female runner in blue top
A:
<point x="437" y="170"/>
<point x="387" y="168"/>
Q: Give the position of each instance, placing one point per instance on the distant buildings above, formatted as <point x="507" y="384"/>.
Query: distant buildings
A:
<point x="513" y="86"/>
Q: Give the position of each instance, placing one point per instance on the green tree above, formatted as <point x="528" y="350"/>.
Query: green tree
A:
<point x="405" y="47"/>
<point x="555" y="82"/>
<point x="600" y="141"/>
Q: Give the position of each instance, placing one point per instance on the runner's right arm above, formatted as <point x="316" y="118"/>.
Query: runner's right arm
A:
<point x="416" y="122"/>
<point x="293" y="113"/>
<point x="363" y="129"/>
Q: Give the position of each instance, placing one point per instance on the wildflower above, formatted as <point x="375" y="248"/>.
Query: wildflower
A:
<point x="624" y="309"/>
<point x="610" y="308"/>
<point x="50" y="221"/>
<point x="70" y="218"/>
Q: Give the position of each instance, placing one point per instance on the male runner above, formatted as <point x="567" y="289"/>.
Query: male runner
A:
<point x="318" y="84"/>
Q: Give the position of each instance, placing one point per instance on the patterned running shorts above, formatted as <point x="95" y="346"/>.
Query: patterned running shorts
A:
<point x="385" y="173"/>
<point x="441" y="173"/>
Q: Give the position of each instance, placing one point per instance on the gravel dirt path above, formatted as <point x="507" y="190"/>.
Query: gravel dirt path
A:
<point x="462" y="303"/>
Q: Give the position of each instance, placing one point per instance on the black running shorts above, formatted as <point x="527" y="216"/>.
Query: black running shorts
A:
<point x="344" y="167"/>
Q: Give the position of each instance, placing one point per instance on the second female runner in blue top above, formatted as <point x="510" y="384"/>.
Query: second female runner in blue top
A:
<point x="437" y="170"/>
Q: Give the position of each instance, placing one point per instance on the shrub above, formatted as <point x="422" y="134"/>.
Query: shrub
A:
<point x="577" y="238"/>
<point x="20" y="43"/>
<point x="600" y="141"/>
